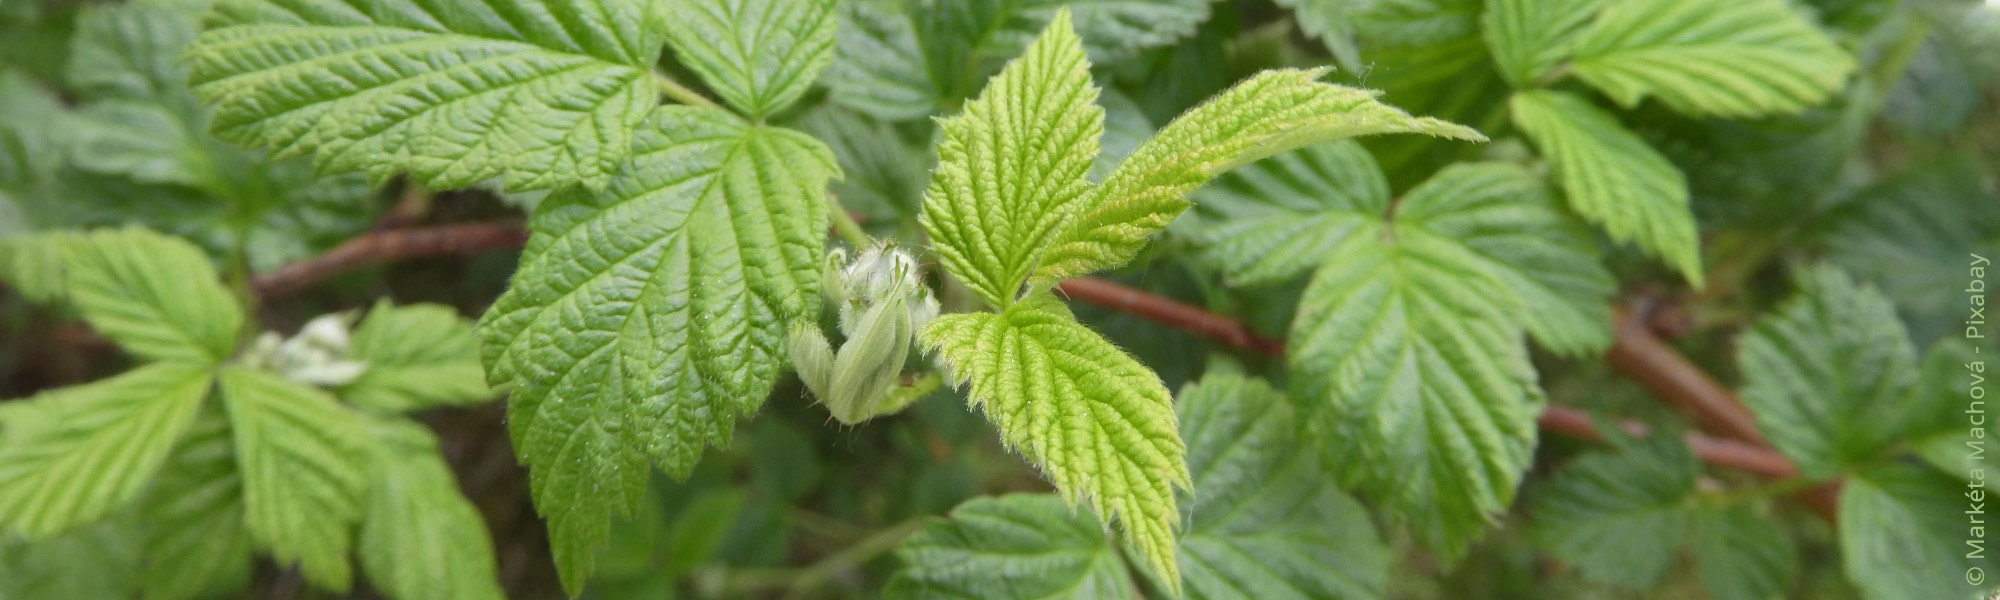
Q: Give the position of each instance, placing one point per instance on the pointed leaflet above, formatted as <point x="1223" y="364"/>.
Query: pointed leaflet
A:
<point x="1619" y="518"/>
<point x="1727" y="58"/>
<point x="1903" y="535"/>
<point x="542" y="93"/>
<point x="758" y="55"/>
<point x="1406" y="353"/>
<point x="73" y="455"/>
<point x="197" y="545"/>
<point x="418" y="356"/>
<point x="1010" y="168"/>
<point x="1612" y="177"/>
<point x="1097" y="423"/>
<point x="153" y="294"/>
<point x="420" y="538"/>
<point x="1265" y="520"/>
<point x="1269" y="113"/>
<point x="1530" y="37"/>
<point x="1913" y="234"/>
<point x="1826" y="375"/>
<point x="300" y="455"/>
<point x="647" y="317"/>
<point x="1016" y="546"/>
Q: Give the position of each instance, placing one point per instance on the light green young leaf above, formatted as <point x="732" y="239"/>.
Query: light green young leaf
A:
<point x="758" y="55"/>
<point x="1903" y="535"/>
<point x="197" y="545"/>
<point x="418" y="356"/>
<point x="301" y="456"/>
<point x="1276" y="218"/>
<point x="1270" y="113"/>
<point x="154" y="294"/>
<point x="1528" y="38"/>
<point x="73" y="455"/>
<point x="32" y="265"/>
<point x="1010" y="168"/>
<point x="420" y="538"/>
<point x="1503" y="213"/>
<point x="1826" y="375"/>
<point x="1096" y="422"/>
<point x="1016" y="546"/>
<point x="1266" y="520"/>
<point x="1726" y="58"/>
<point x="647" y="317"/>
<point x="1612" y="177"/>
<point x="1621" y="517"/>
<point x="1405" y="350"/>
<point x="1743" y="556"/>
<point x="541" y="93"/>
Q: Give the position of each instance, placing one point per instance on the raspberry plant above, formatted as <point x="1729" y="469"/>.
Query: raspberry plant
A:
<point x="805" y="284"/>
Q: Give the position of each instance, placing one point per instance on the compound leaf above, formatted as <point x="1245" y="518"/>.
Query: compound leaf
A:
<point x="1502" y="213"/>
<point x="1620" y="517"/>
<point x="154" y="294"/>
<point x="299" y="453"/>
<point x="1405" y="353"/>
<point x="418" y="356"/>
<point x="1016" y="546"/>
<point x="1612" y="177"/>
<point x="1095" y="421"/>
<point x="647" y="317"/>
<point x="1011" y="167"/>
<point x="542" y="93"/>
<point x="1269" y="113"/>
<point x="1266" y="521"/>
<point x="758" y="55"/>
<point x="1826" y="374"/>
<point x="420" y="538"/>
<point x="1727" y="58"/>
<point x="73" y="455"/>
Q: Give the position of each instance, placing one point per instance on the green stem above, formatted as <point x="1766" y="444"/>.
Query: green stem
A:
<point x="680" y="93"/>
<point x="845" y="226"/>
<point x="851" y="557"/>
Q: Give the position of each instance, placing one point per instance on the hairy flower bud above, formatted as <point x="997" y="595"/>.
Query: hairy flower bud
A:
<point x="317" y="355"/>
<point x="882" y="302"/>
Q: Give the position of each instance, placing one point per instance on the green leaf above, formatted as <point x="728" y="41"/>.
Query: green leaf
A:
<point x="197" y="545"/>
<point x="647" y="317"/>
<point x="1744" y="556"/>
<point x="1270" y="113"/>
<point x="1010" y="168"/>
<point x="1612" y="177"/>
<point x="885" y="175"/>
<point x="1406" y="353"/>
<point x="140" y="140"/>
<point x="1266" y="521"/>
<point x="1913" y="235"/>
<point x="1620" y="517"/>
<point x="418" y="356"/>
<point x="1277" y="218"/>
<point x="1332" y="22"/>
<point x="32" y="265"/>
<point x="1826" y="374"/>
<point x="1530" y="37"/>
<point x="76" y="454"/>
<point x="91" y="562"/>
<point x="758" y="55"/>
<point x="1904" y="533"/>
<point x="1727" y="58"/>
<point x="541" y="93"/>
<point x="1096" y="422"/>
<point x="153" y="294"/>
<point x="1016" y="546"/>
<point x="300" y="455"/>
<point x="129" y="51"/>
<point x="420" y="538"/>
<point x="1502" y="213"/>
<point x="879" y="67"/>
